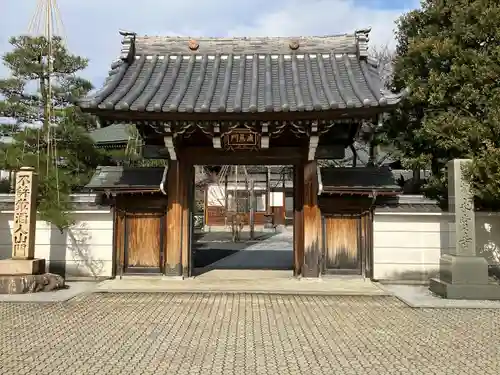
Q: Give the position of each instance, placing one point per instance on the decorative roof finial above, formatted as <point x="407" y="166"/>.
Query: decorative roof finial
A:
<point x="362" y="39"/>
<point x="294" y="44"/>
<point x="193" y="45"/>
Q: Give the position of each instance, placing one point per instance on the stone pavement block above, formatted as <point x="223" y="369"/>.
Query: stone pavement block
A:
<point x="186" y="333"/>
<point x="248" y="281"/>
<point x="421" y="297"/>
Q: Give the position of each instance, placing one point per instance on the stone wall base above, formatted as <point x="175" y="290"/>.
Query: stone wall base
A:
<point x="20" y="284"/>
<point x="489" y="291"/>
<point x="9" y="267"/>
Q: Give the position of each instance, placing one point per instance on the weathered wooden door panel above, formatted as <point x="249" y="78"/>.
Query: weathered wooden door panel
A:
<point x="143" y="242"/>
<point x="342" y="244"/>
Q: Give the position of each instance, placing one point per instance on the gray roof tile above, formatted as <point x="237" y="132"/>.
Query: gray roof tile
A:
<point x="162" y="74"/>
<point x="114" y="133"/>
<point x="403" y="207"/>
<point x="117" y="178"/>
<point x="345" y="180"/>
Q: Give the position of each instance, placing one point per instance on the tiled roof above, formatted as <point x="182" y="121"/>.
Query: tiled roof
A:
<point x="382" y="158"/>
<point x="409" y="203"/>
<point x="116" y="178"/>
<point x="408" y="208"/>
<point x="115" y="133"/>
<point x="174" y="74"/>
<point x="345" y="180"/>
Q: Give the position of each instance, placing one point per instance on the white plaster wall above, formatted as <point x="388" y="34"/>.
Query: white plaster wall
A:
<point x="84" y="250"/>
<point x="407" y="246"/>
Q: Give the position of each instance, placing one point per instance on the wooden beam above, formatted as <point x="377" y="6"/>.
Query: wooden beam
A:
<point x="270" y="156"/>
<point x="312" y="221"/>
<point x="107" y="115"/>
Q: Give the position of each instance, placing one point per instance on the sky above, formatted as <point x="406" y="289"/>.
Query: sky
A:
<point x="91" y="26"/>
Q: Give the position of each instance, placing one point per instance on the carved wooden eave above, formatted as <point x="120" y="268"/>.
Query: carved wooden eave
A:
<point x="187" y="123"/>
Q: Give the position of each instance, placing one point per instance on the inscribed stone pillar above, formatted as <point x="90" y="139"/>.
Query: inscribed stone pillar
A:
<point x="23" y="232"/>
<point x="461" y="206"/>
<point x="462" y="274"/>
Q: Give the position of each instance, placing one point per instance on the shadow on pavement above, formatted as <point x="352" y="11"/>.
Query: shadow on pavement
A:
<point x="211" y="251"/>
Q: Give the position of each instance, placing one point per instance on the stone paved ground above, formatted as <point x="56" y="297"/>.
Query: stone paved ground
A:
<point x="244" y="334"/>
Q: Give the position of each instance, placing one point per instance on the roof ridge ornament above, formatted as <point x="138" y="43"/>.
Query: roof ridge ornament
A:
<point x="294" y="44"/>
<point x="128" y="50"/>
<point x="193" y="44"/>
<point x="362" y="38"/>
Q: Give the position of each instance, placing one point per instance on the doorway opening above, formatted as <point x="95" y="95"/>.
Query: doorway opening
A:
<point x="242" y="220"/>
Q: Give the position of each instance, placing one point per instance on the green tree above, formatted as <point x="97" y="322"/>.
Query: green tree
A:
<point x="448" y="54"/>
<point x="59" y="147"/>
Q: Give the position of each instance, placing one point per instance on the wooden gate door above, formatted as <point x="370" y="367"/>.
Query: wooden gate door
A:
<point x="344" y="243"/>
<point x="143" y="243"/>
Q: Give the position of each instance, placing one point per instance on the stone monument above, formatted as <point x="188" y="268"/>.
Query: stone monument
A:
<point x="462" y="273"/>
<point x="23" y="272"/>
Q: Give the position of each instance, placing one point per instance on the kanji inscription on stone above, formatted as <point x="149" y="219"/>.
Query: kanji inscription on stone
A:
<point x="461" y="205"/>
<point x="23" y="231"/>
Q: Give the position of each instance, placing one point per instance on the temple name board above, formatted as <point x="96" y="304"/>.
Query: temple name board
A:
<point x="242" y="139"/>
<point x="23" y="233"/>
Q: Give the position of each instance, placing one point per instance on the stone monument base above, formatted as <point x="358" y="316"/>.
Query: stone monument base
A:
<point x="20" y="284"/>
<point x="455" y="269"/>
<point x="10" y="267"/>
<point x="488" y="291"/>
<point x="464" y="277"/>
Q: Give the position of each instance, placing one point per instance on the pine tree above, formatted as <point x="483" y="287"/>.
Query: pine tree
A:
<point x="59" y="148"/>
<point x="448" y="54"/>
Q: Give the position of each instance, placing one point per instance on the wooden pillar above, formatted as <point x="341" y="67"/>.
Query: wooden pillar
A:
<point x="298" y="219"/>
<point x="187" y="181"/>
<point x="205" y="206"/>
<point x="312" y="221"/>
<point x="268" y="191"/>
<point x="173" y="261"/>
<point x="179" y="184"/>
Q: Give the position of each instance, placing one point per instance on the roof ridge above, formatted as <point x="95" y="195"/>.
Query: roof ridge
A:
<point x="355" y="42"/>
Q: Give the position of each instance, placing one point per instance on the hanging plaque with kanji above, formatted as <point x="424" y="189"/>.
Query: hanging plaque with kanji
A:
<point x="23" y="231"/>
<point x="241" y="139"/>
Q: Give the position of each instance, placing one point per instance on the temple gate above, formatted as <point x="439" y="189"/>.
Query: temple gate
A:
<point x="231" y="101"/>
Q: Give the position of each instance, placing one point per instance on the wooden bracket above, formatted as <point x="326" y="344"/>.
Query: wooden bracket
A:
<point x="264" y="140"/>
<point x="216" y="137"/>
<point x="169" y="142"/>
<point x="313" y="141"/>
